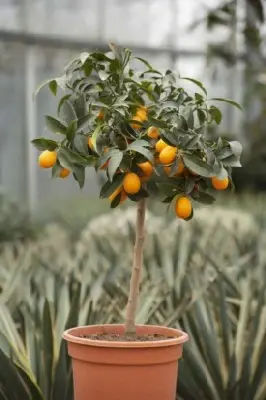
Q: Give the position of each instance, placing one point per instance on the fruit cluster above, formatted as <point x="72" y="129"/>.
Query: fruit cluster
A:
<point x="143" y="131"/>
<point x="164" y="155"/>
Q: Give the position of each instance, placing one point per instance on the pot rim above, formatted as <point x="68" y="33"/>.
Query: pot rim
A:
<point x="179" y="337"/>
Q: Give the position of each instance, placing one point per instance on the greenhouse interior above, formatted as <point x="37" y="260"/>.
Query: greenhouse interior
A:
<point x="66" y="250"/>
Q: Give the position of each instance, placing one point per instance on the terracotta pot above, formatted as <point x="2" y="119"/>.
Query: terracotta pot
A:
<point x="108" y="370"/>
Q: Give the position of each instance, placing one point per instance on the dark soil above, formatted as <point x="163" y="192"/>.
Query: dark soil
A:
<point x="114" y="337"/>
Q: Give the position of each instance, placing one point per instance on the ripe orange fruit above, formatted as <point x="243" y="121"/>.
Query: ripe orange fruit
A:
<point x="147" y="169"/>
<point x="183" y="207"/>
<point x="64" y="173"/>
<point x="180" y="169"/>
<point x="160" y="145"/>
<point x="142" y="112"/>
<point x="168" y="154"/>
<point x="47" y="159"/>
<point x="101" y="115"/>
<point x="153" y="132"/>
<point x="220" y="184"/>
<point x="90" y="143"/>
<point x="131" y="183"/>
<point x="135" y="125"/>
<point x="116" y="193"/>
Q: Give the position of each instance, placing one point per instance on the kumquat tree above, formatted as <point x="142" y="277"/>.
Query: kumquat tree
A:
<point x="144" y="131"/>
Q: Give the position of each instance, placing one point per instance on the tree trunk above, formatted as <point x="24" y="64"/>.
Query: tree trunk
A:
<point x="130" y="323"/>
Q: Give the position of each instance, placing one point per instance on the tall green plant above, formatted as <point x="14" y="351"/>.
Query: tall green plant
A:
<point x="111" y="117"/>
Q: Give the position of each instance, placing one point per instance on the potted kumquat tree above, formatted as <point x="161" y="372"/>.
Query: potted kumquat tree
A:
<point x="148" y="136"/>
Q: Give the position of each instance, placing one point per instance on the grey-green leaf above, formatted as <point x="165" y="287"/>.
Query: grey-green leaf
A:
<point x="197" y="165"/>
<point x="45" y="144"/>
<point x="79" y="175"/>
<point x="109" y="187"/>
<point x="236" y="148"/>
<point x="71" y="131"/>
<point x="114" y="163"/>
<point x="54" y="125"/>
<point x="231" y="161"/>
<point x="135" y="146"/>
<point x="67" y="112"/>
<point x="216" y="114"/>
<point x="196" y="82"/>
<point x="229" y="101"/>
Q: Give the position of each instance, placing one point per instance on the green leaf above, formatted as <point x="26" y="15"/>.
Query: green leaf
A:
<point x="61" y="102"/>
<point x="229" y="101"/>
<point x="116" y="201"/>
<point x="109" y="187"/>
<point x="67" y="112"/>
<point x="103" y="75"/>
<point x="83" y="57"/>
<point x="139" y="148"/>
<point x="31" y="384"/>
<point x="189" y="184"/>
<point x="168" y="189"/>
<point x="190" y="119"/>
<point x="198" y="83"/>
<point x="68" y="159"/>
<point x="71" y="131"/>
<point x="14" y="388"/>
<point x="127" y="56"/>
<point x="216" y="114"/>
<point x="236" y="148"/>
<point x="197" y="165"/>
<point x="61" y="373"/>
<point x="199" y="97"/>
<point x="45" y="144"/>
<point x="170" y="104"/>
<point x="53" y="87"/>
<point x="224" y="152"/>
<point x="94" y="137"/>
<point x="79" y="175"/>
<point x="84" y="123"/>
<point x="56" y="170"/>
<point x="168" y="200"/>
<point x="148" y="65"/>
<point x="81" y="143"/>
<point x="203" y="198"/>
<point x="232" y="161"/>
<point x="170" y="138"/>
<point x="114" y="163"/>
<point x="55" y="126"/>
<point x="48" y="344"/>
<point x="191" y="141"/>
<point x="116" y="51"/>
<point x="201" y="116"/>
<point x="158" y="123"/>
<point x="81" y="106"/>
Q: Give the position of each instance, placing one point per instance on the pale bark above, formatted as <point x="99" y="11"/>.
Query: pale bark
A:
<point x="130" y="323"/>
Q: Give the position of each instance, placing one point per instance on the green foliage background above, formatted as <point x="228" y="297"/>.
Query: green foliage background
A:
<point x="208" y="281"/>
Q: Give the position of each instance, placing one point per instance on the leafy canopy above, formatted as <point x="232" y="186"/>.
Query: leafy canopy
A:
<point x="103" y="121"/>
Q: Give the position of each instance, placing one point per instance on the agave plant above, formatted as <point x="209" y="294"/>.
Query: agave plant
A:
<point x="222" y="307"/>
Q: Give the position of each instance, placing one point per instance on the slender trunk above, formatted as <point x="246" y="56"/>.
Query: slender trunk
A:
<point x="130" y="323"/>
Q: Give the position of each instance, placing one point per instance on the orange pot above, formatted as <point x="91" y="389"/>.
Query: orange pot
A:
<point x="108" y="370"/>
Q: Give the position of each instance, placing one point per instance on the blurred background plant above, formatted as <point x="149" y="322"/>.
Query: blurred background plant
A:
<point x="64" y="259"/>
<point x="208" y="281"/>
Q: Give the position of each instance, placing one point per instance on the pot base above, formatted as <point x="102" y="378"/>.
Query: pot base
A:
<point x="117" y="370"/>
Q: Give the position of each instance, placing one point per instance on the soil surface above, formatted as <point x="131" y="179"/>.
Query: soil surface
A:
<point x="114" y="337"/>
